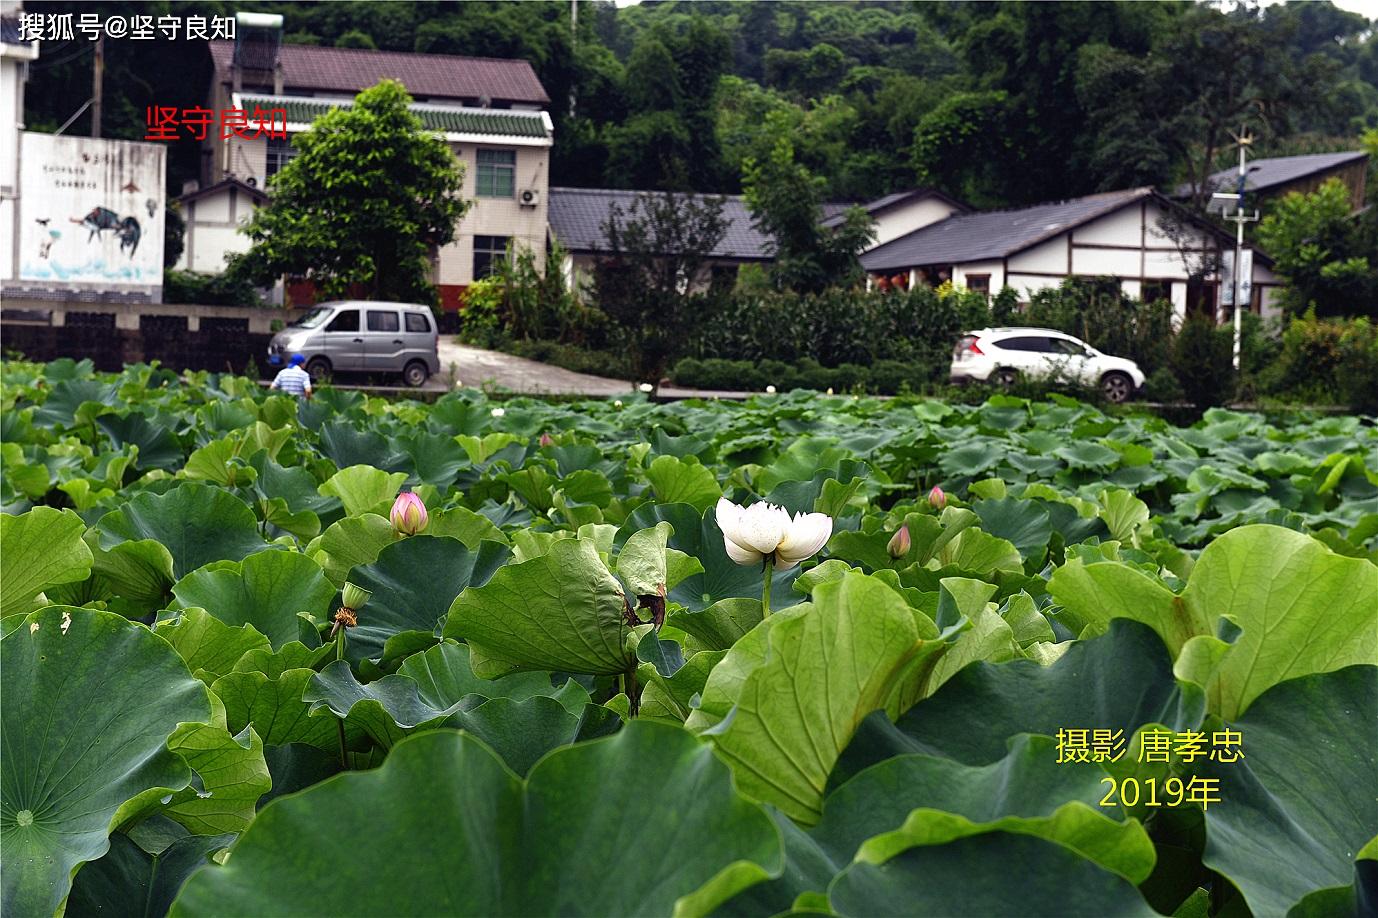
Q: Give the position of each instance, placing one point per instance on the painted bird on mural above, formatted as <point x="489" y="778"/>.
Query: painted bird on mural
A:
<point x="101" y="219"/>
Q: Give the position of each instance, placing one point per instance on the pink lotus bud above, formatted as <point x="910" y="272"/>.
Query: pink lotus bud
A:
<point x="409" y="514"/>
<point x="937" y="498"/>
<point x="547" y="440"/>
<point x="899" y="543"/>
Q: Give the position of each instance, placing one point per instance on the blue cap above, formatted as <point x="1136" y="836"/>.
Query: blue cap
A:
<point x="297" y="360"/>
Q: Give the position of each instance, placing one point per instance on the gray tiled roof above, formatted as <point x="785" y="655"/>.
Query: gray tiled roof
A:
<point x="577" y="216"/>
<point x="1271" y="172"/>
<point x="993" y="234"/>
<point x="437" y="76"/>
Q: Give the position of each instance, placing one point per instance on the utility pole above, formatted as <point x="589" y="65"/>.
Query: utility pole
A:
<point x="573" y="46"/>
<point x="97" y="78"/>
<point x="1238" y="283"/>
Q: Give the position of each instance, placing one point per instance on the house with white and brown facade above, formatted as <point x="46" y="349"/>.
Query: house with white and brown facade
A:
<point x="491" y="112"/>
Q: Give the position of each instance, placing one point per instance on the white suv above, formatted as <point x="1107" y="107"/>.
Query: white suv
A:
<point x="1004" y="355"/>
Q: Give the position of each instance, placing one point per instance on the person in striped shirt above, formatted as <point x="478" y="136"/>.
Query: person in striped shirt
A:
<point x="293" y="379"/>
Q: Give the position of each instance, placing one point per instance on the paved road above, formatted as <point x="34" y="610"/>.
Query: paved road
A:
<point x="473" y="366"/>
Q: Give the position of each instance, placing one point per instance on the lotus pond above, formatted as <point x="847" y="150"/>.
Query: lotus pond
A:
<point x="1110" y="667"/>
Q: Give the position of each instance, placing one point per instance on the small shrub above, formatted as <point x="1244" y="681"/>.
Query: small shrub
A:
<point x="1162" y="386"/>
<point x="1358" y="367"/>
<point x="1201" y="360"/>
<point x="191" y="288"/>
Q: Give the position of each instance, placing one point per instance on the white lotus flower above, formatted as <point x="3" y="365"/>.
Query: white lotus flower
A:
<point x="498" y="412"/>
<point x="765" y="532"/>
<point x="617" y="403"/>
<point x="646" y="387"/>
<point x="770" y="390"/>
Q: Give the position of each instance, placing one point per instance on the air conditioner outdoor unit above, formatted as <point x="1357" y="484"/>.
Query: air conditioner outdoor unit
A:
<point x="529" y="197"/>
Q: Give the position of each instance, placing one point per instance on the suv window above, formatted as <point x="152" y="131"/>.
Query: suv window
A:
<point x="346" y="321"/>
<point x="383" y="321"/>
<point x="1028" y="343"/>
<point x="1063" y="346"/>
<point x="417" y="322"/>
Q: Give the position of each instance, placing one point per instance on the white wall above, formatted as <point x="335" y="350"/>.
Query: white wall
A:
<point x="1048" y="257"/>
<point x="526" y="226"/>
<point x="995" y="269"/>
<point x="213" y="231"/>
<point x="903" y="219"/>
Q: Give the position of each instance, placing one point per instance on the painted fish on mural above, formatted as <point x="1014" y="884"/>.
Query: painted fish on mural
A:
<point x="101" y="219"/>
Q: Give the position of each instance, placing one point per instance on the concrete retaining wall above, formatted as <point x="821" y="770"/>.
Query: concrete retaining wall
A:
<point x="113" y="334"/>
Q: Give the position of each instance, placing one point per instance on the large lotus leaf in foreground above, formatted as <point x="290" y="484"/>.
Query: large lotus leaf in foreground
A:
<point x="1307" y="786"/>
<point x="642" y="823"/>
<point x="198" y="523"/>
<point x="1118" y="681"/>
<point x="822" y="672"/>
<point x="912" y="800"/>
<point x="1300" y="609"/>
<point x="91" y="700"/>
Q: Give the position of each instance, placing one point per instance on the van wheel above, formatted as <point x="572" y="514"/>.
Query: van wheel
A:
<point x="1006" y="377"/>
<point x="415" y="374"/>
<point x="319" y="368"/>
<point x="1117" y="387"/>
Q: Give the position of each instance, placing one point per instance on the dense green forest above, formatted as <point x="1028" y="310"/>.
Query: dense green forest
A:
<point x="998" y="103"/>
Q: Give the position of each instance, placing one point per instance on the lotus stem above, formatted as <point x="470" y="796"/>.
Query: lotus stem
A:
<point x="765" y="587"/>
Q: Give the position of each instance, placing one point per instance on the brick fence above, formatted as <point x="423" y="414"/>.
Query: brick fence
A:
<point x="113" y="334"/>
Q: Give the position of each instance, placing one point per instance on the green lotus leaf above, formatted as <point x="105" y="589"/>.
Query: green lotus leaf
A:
<point x="1122" y="512"/>
<point x="232" y="772"/>
<point x="350" y="542"/>
<point x="414" y="581"/>
<point x="824" y="671"/>
<point x="197" y="523"/>
<point x="561" y="611"/>
<point x="1023" y="523"/>
<point x="209" y="646"/>
<point x="1300" y="608"/>
<point x="67" y="396"/>
<point x="698" y="536"/>
<point x="91" y="700"/>
<point x="683" y="481"/>
<point x="273" y="706"/>
<point x="349" y="447"/>
<point x="157" y="445"/>
<point x="520" y="732"/>
<point x="1304" y="786"/>
<point x="473" y="529"/>
<point x="973" y="875"/>
<point x="425" y="691"/>
<point x="129" y="881"/>
<point x="722" y="624"/>
<point x="364" y="489"/>
<point x="223" y="462"/>
<point x="41" y="548"/>
<point x="1117" y="682"/>
<point x="265" y="590"/>
<point x="499" y="845"/>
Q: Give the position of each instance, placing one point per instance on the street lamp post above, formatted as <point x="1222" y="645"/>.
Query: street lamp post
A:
<point x="1237" y="282"/>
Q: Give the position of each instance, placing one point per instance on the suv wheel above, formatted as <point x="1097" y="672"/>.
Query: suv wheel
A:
<point x="415" y="374"/>
<point x="1006" y="377"/>
<point x="1117" y="387"/>
<point x="319" y="368"/>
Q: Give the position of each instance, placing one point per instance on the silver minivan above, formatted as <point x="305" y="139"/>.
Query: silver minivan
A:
<point x="361" y="336"/>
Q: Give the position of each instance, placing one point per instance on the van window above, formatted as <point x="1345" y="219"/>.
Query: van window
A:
<point x="383" y="321"/>
<point x="346" y="321"/>
<point x="417" y="322"/>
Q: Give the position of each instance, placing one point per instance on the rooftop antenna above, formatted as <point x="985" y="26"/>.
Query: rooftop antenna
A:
<point x="1239" y="293"/>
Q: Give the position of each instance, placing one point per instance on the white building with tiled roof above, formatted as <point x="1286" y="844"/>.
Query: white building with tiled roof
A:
<point x="1154" y="247"/>
<point x="492" y="113"/>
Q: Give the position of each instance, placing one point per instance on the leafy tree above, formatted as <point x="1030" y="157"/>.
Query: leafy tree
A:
<point x="975" y="123"/>
<point x="365" y="202"/>
<point x="356" y="38"/>
<point x="659" y="257"/>
<point x="785" y="200"/>
<point x="1324" y="252"/>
